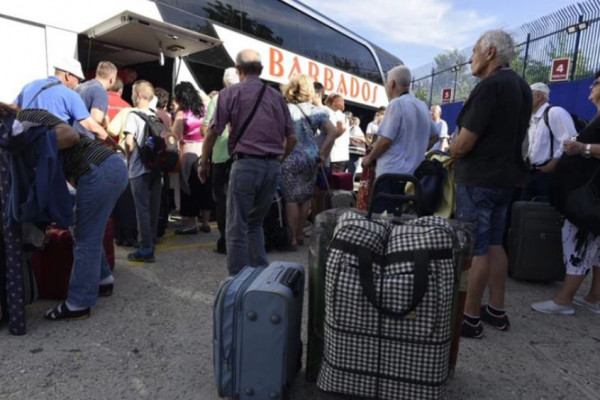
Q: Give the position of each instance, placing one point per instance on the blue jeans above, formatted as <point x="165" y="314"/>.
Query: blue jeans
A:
<point x="486" y="209"/>
<point x="146" y="196"/>
<point x="252" y="186"/>
<point x="97" y="194"/>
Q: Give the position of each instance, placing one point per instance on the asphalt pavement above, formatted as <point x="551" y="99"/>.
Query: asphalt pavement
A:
<point x="153" y="340"/>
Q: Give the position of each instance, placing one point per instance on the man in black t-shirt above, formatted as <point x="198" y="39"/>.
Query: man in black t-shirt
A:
<point x="493" y="124"/>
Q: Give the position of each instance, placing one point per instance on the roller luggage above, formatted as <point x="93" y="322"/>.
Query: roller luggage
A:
<point x="322" y="234"/>
<point x="256" y="332"/>
<point x="341" y="181"/>
<point x="52" y="265"/>
<point x="535" y="243"/>
<point x="278" y="234"/>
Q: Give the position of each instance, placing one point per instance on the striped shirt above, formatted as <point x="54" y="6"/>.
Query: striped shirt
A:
<point x="76" y="160"/>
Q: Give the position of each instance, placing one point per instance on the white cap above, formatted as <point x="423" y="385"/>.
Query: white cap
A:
<point x="540" y="87"/>
<point x="71" y="66"/>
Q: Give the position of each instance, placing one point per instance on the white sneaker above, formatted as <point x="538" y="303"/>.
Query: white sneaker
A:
<point x="593" y="307"/>
<point x="550" y="307"/>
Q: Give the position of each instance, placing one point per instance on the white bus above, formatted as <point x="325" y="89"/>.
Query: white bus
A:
<point x="170" y="41"/>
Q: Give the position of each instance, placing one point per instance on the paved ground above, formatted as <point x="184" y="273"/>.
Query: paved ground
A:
<point x="152" y="340"/>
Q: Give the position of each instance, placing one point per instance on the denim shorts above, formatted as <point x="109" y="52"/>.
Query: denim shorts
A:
<point x="486" y="209"/>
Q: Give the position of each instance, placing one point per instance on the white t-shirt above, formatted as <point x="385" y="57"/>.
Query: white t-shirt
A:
<point x="135" y="126"/>
<point x="340" y="151"/>
<point x="539" y="136"/>
<point x="372" y="128"/>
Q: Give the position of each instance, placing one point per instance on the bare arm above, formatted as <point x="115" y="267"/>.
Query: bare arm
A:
<point x="129" y="144"/>
<point x="290" y="143"/>
<point x="573" y="147"/>
<point x="463" y="144"/>
<point x="207" y="148"/>
<point x="91" y="125"/>
<point x="177" y="129"/>
<point x="381" y="146"/>
<point x="66" y="136"/>
<point x="98" y="115"/>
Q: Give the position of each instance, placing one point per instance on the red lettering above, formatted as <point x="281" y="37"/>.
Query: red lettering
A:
<point x="275" y="67"/>
<point x="328" y="80"/>
<point x="354" y="87"/>
<point x="295" y="68"/>
<point x="342" y="88"/>
<point x="313" y="71"/>
<point x="374" y="100"/>
<point x="366" y="91"/>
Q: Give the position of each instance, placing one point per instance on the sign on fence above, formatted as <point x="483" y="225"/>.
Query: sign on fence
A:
<point x="446" y="95"/>
<point x="560" y="69"/>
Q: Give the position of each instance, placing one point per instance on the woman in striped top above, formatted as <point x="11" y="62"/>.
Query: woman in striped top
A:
<point x="100" y="176"/>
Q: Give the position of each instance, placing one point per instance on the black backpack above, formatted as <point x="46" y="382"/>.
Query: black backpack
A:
<point x="159" y="150"/>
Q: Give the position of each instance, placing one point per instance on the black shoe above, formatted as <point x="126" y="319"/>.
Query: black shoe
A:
<point x="205" y="229"/>
<point x="187" y="231"/>
<point x="61" y="311"/>
<point x="221" y="247"/>
<point x="105" y="290"/>
<point x="141" y="256"/>
<point x="499" y="322"/>
<point x="469" y="330"/>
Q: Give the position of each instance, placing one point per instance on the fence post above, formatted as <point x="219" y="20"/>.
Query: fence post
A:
<point x="431" y="89"/>
<point x="576" y="50"/>
<point x="526" y="56"/>
<point x="456" y="67"/>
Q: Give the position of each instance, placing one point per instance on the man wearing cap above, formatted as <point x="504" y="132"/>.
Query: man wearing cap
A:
<point x="55" y="95"/>
<point x="550" y="126"/>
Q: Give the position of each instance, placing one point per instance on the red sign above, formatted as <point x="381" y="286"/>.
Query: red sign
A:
<point x="446" y="95"/>
<point x="560" y="69"/>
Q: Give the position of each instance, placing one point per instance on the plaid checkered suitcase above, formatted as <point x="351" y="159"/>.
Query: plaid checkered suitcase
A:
<point x="256" y="332"/>
<point x="389" y="295"/>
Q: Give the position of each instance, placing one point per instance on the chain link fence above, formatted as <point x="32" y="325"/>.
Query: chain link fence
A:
<point x="572" y="32"/>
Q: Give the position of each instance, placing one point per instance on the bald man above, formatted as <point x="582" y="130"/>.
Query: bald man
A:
<point x="261" y="135"/>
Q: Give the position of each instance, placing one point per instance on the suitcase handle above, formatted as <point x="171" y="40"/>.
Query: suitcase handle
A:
<point x="365" y="265"/>
<point x="292" y="278"/>
<point x="400" y="198"/>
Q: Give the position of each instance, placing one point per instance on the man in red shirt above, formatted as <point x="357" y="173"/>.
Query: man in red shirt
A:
<point x="115" y="102"/>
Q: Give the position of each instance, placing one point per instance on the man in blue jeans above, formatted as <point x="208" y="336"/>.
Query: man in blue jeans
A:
<point x="261" y="134"/>
<point x="489" y="164"/>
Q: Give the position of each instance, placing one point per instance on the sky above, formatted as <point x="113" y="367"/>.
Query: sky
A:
<point x="417" y="30"/>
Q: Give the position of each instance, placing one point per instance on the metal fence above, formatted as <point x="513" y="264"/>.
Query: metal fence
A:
<point x="572" y="32"/>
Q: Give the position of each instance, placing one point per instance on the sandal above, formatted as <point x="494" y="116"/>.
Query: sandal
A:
<point x="61" y="311"/>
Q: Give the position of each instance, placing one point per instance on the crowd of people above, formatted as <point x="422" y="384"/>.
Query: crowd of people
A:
<point x="239" y="145"/>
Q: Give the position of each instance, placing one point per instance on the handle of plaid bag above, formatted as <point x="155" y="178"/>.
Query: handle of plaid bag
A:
<point x="365" y="265"/>
<point x="376" y="195"/>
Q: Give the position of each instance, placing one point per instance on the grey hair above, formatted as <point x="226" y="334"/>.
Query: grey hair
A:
<point x="247" y="56"/>
<point x="230" y="77"/>
<point x="502" y="42"/>
<point x="401" y="75"/>
<point x="436" y="108"/>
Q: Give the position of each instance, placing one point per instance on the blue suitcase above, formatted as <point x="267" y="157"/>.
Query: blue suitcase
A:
<point x="256" y="332"/>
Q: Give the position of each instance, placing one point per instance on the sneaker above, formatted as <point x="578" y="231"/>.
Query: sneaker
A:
<point x="592" y="306"/>
<point x="550" y="307"/>
<point x="141" y="256"/>
<point x="499" y="322"/>
<point x="469" y="330"/>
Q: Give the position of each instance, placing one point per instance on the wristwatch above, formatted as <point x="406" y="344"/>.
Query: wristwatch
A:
<point x="587" y="152"/>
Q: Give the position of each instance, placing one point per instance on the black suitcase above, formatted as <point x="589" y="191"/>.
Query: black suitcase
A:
<point x="278" y="234"/>
<point x="535" y="243"/>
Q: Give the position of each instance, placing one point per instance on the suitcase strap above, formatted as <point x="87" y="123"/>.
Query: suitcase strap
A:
<point x="420" y="258"/>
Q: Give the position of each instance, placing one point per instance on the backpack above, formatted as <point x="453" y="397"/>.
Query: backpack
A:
<point x="159" y="150"/>
<point x="580" y="125"/>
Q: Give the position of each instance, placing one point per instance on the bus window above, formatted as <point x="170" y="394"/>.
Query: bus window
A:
<point x="331" y="47"/>
<point x="273" y="21"/>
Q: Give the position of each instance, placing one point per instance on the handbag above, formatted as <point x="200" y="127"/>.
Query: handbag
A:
<point x="582" y="206"/>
